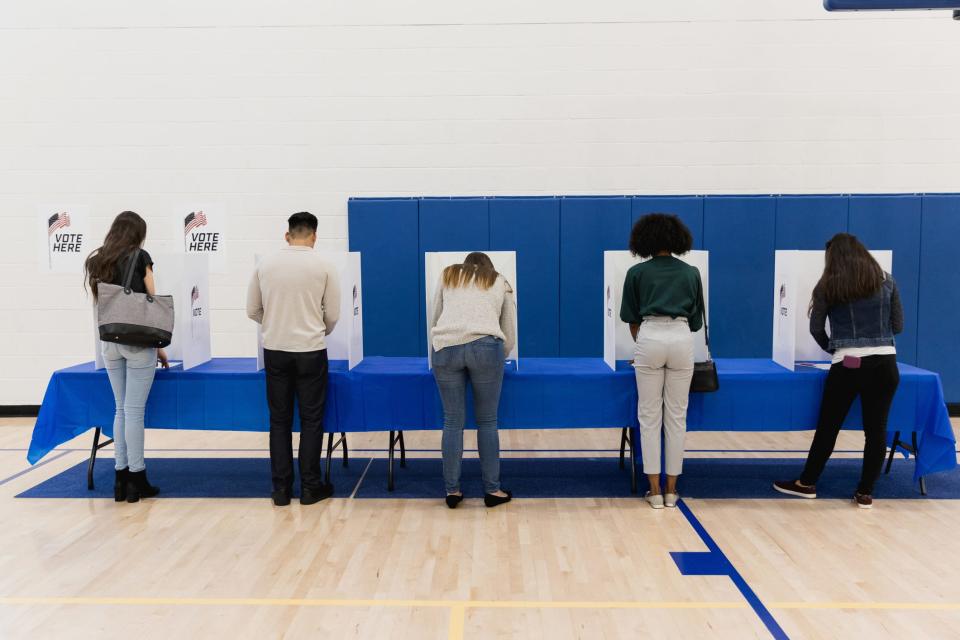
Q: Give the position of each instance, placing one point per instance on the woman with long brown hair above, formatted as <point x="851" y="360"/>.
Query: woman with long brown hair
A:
<point x="472" y="330"/>
<point x="863" y="305"/>
<point x="130" y="368"/>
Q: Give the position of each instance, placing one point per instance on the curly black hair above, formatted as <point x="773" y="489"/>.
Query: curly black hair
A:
<point x="658" y="232"/>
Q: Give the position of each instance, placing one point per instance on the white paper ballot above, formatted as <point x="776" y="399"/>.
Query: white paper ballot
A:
<point x="795" y="274"/>
<point x="505" y="262"/>
<point x="618" y="344"/>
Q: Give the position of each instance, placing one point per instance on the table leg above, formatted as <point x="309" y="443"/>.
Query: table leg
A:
<point x="97" y="445"/>
<point x="623" y="444"/>
<point x="346" y="453"/>
<point x="633" y="464"/>
<point x="916" y="460"/>
<point x="893" y="450"/>
<point x="390" y="463"/>
<point x="331" y="447"/>
<point x="403" y="450"/>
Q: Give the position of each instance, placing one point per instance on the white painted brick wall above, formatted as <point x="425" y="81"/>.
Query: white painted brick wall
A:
<point x="275" y="107"/>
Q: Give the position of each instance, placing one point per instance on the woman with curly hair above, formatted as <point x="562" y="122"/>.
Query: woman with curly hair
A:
<point x="661" y="303"/>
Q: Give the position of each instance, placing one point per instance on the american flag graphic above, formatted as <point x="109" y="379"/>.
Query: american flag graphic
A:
<point x="194" y="220"/>
<point x="194" y="294"/>
<point x="57" y="221"/>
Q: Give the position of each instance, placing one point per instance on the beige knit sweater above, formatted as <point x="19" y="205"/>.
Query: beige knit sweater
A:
<point x="465" y="314"/>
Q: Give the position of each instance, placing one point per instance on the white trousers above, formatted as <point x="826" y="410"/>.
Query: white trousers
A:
<point x="663" y="364"/>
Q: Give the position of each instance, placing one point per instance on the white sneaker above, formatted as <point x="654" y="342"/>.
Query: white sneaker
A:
<point x="670" y="499"/>
<point x="656" y="501"/>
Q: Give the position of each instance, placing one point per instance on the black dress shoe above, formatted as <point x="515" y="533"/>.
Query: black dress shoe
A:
<point x="315" y="495"/>
<point x="453" y="499"/>
<point x="281" y="498"/>
<point x="120" y="485"/>
<point x="139" y="487"/>
<point x="492" y="500"/>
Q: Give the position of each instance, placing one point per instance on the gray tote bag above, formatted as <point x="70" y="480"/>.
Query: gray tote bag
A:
<point x="130" y="318"/>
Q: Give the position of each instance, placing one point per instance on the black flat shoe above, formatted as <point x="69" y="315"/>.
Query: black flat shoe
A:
<point x="453" y="499"/>
<point x="281" y="498"/>
<point x="315" y="495"/>
<point x="120" y="485"/>
<point x="491" y="500"/>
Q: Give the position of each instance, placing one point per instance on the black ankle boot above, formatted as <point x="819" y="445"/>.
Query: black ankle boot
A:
<point x="120" y="485"/>
<point x="139" y="487"/>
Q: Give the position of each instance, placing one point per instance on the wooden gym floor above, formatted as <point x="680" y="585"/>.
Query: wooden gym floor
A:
<point x="548" y="569"/>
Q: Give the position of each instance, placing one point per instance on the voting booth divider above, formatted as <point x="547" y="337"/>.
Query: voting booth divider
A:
<point x="796" y="273"/>
<point x="618" y="344"/>
<point x="186" y="277"/>
<point x="505" y="262"/>
<point x="346" y="340"/>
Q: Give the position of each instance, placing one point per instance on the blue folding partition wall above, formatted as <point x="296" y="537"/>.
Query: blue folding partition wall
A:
<point x="560" y="243"/>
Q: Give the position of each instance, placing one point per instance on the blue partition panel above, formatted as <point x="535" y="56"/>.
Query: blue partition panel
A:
<point x="450" y="224"/>
<point x="739" y="234"/>
<point x="588" y="227"/>
<point x="687" y="208"/>
<point x="807" y="222"/>
<point x="385" y="232"/>
<point x="531" y="227"/>
<point x="893" y="222"/>
<point x="939" y="301"/>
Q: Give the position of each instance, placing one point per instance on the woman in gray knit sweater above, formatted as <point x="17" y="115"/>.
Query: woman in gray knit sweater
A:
<point x="472" y="329"/>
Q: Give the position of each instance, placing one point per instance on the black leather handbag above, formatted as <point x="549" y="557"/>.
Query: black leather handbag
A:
<point x="705" y="378"/>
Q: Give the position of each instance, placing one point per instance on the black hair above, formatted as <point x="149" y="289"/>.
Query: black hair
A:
<point x="302" y="223"/>
<point x="127" y="232"/>
<point x="658" y="232"/>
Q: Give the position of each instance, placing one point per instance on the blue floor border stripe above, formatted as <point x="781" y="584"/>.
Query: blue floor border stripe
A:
<point x="719" y="564"/>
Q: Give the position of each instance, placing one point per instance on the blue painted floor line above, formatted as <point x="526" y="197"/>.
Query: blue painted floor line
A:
<point x="29" y="469"/>
<point x="715" y="562"/>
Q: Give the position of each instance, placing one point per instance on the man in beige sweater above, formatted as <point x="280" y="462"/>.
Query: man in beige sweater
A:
<point x="295" y="296"/>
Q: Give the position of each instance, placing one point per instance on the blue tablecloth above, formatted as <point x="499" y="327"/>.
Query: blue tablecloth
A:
<point x="545" y="393"/>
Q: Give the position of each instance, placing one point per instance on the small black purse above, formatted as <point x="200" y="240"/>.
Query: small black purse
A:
<point x="705" y="378"/>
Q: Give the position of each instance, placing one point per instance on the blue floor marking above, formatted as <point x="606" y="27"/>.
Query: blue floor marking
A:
<point x="715" y="563"/>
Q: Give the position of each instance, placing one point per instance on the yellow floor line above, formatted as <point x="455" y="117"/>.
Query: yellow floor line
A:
<point x="457" y="617"/>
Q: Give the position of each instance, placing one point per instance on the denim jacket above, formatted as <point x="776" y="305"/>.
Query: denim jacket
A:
<point x="868" y="322"/>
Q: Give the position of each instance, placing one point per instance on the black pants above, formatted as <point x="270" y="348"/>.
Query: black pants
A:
<point x="302" y="376"/>
<point x="875" y="382"/>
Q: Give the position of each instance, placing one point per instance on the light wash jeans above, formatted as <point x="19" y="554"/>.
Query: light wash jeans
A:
<point x="131" y="371"/>
<point x="482" y="361"/>
<point x="663" y="363"/>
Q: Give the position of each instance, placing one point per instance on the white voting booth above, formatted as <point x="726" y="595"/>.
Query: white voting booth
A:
<point x="346" y="341"/>
<point x="505" y="262"/>
<point x="186" y="277"/>
<point x="618" y="344"/>
<point x="795" y="274"/>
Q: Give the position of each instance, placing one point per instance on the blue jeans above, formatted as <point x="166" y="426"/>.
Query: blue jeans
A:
<point x="131" y="371"/>
<point x="482" y="361"/>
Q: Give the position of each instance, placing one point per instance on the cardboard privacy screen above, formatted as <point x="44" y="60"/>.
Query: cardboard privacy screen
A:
<point x="795" y="274"/>
<point x="505" y="262"/>
<point x="618" y="344"/>
<point x="346" y="341"/>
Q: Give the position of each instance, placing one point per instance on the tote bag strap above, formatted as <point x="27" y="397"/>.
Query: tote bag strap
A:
<point x="703" y="312"/>
<point x="131" y="266"/>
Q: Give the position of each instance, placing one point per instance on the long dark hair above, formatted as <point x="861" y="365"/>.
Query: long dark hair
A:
<point x="849" y="272"/>
<point x="477" y="268"/>
<point x="127" y="233"/>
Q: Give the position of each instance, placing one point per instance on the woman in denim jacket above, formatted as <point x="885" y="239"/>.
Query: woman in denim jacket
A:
<point x="863" y="305"/>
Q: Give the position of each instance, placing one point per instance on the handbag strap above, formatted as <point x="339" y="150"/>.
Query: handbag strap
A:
<point x="131" y="265"/>
<point x="703" y="312"/>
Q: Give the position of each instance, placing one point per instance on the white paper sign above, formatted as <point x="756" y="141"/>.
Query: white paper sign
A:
<point x="618" y="344"/>
<point x="346" y="340"/>
<point x="505" y="262"/>
<point x="202" y="228"/>
<point x="796" y="273"/>
<point x="186" y="277"/>
<point x="63" y="237"/>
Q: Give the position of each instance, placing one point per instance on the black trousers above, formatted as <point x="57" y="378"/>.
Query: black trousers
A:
<point x="302" y="376"/>
<point x="875" y="382"/>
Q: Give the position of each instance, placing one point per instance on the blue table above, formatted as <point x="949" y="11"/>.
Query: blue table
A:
<point x="396" y="394"/>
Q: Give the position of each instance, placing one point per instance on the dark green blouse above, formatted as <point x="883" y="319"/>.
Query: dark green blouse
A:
<point x="662" y="286"/>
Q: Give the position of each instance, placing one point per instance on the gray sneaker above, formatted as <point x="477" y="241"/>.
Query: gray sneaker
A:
<point x="670" y="499"/>
<point x="656" y="501"/>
